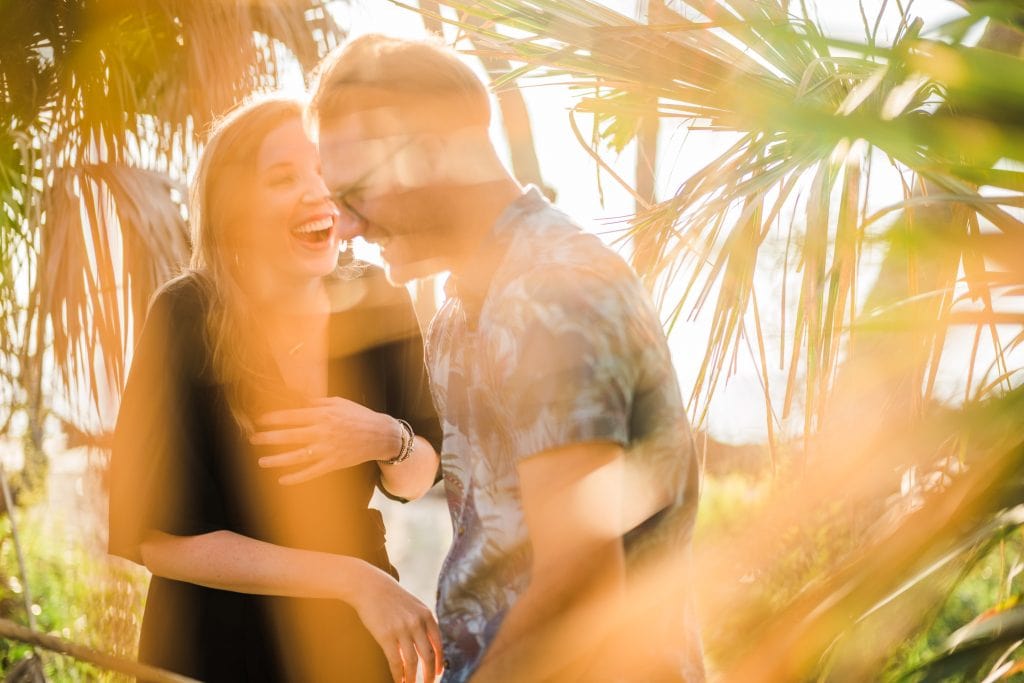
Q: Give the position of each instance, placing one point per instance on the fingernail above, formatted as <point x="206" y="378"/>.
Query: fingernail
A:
<point x="262" y="462"/>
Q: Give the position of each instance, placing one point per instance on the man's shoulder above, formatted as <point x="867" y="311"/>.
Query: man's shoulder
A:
<point x="567" y="269"/>
<point x="550" y="240"/>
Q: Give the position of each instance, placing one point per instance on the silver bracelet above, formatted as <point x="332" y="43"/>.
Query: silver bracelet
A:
<point x="408" y="444"/>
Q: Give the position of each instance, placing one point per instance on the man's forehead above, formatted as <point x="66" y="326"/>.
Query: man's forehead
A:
<point x="366" y="124"/>
<point x="343" y="158"/>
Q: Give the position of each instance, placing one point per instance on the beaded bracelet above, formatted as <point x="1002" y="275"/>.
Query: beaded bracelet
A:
<point x="408" y="444"/>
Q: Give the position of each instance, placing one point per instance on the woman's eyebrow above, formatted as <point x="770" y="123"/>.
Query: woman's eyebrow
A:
<point x="277" y="164"/>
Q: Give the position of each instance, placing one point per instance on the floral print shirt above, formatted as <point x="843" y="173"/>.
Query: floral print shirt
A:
<point x="551" y="340"/>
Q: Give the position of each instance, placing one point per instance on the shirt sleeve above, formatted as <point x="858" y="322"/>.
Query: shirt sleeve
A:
<point x="158" y="477"/>
<point x="408" y="386"/>
<point x="559" y="360"/>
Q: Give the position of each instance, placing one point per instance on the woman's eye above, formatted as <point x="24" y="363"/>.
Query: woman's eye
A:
<point x="282" y="179"/>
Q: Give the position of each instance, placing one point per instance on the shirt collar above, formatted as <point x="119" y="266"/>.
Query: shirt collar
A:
<point x="471" y="285"/>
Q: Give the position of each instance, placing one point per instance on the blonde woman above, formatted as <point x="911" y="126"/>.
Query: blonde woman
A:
<point x="272" y="351"/>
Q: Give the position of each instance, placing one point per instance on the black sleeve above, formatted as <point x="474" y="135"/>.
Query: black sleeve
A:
<point x="160" y="477"/>
<point x="408" y="386"/>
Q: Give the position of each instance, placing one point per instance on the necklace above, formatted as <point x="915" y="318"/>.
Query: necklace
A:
<point x="298" y="346"/>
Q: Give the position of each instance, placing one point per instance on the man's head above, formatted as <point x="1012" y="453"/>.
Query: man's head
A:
<point x="403" y="134"/>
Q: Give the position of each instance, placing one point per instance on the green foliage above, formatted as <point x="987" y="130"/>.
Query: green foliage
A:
<point x="991" y="587"/>
<point x="28" y="485"/>
<point x="892" y="498"/>
<point x="802" y="552"/>
<point x="103" y="107"/>
<point x="77" y="594"/>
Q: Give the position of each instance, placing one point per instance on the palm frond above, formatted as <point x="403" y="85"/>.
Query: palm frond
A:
<point x="113" y="103"/>
<point x="870" y="289"/>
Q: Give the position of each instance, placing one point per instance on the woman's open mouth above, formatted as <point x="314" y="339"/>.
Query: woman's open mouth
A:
<point x="316" y="231"/>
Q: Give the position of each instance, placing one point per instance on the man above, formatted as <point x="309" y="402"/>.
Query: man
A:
<point x="567" y="459"/>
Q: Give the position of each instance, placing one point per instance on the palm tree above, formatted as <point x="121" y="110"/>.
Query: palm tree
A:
<point x="778" y="241"/>
<point x="104" y="107"/>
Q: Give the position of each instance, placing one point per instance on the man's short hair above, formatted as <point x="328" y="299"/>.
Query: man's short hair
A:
<point x="375" y="70"/>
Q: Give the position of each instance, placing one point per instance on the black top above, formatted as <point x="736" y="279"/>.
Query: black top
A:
<point x="180" y="464"/>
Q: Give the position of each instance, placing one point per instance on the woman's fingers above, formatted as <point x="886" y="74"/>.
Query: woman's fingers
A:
<point x="416" y="642"/>
<point x="327" y="401"/>
<point x="312" y="472"/>
<point x="434" y="634"/>
<point x="393" y="653"/>
<point x="280" y="437"/>
<point x="426" y="652"/>
<point x="292" y="417"/>
<point x="409" y="659"/>
<point x="290" y="458"/>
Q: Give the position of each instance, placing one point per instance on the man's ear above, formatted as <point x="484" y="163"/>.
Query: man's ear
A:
<point x="469" y="157"/>
<point x="420" y="164"/>
<point x="435" y="151"/>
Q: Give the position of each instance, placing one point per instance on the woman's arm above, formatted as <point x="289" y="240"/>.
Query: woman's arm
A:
<point x="335" y="433"/>
<point x="413" y="477"/>
<point x="401" y="624"/>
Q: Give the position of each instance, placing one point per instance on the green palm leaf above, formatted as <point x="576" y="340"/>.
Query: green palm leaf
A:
<point x="812" y="123"/>
<point x="106" y="107"/>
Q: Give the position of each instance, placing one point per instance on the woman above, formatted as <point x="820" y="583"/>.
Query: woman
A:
<point x="256" y="578"/>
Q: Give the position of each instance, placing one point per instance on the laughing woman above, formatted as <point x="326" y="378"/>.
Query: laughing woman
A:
<point x="272" y="348"/>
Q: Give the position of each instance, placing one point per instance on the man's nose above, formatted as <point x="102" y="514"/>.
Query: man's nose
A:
<point x="349" y="224"/>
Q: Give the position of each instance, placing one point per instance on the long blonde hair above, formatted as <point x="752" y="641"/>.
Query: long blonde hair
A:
<point x="226" y="168"/>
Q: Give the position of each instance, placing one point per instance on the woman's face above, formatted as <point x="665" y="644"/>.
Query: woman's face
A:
<point x="285" y="220"/>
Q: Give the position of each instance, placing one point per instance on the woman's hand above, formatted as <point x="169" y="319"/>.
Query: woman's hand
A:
<point x="402" y="626"/>
<point x="332" y="434"/>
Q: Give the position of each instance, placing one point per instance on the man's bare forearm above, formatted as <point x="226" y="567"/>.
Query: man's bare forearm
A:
<point x="561" y="618"/>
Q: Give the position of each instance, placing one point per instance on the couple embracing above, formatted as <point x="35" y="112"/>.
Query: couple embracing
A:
<point x="276" y="385"/>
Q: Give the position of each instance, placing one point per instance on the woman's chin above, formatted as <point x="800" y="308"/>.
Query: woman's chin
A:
<point x="315" y="259"/>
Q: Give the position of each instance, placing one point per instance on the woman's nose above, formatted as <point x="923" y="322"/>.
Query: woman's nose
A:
<point x="315" y="190"/>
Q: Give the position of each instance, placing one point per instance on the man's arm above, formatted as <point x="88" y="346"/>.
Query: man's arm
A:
<point x="572" y="502"/>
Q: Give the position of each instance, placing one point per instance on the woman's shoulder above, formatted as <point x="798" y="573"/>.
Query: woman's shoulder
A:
<point x="182" y="298"/>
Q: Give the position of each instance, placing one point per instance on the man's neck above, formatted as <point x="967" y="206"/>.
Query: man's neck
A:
<point x="475" y="218"/>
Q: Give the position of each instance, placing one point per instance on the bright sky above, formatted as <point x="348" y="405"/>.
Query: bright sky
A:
<point x="737" y="414"/>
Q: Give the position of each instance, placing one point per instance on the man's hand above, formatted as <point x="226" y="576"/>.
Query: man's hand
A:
<point x="331" y="434"/>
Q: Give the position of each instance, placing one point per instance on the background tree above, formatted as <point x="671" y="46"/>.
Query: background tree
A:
<point x="104" y="107"/>
<point x="887" y="497"/>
